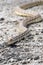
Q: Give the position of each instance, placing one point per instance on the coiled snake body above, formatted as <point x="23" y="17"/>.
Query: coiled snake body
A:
<point x="30" y="18"/>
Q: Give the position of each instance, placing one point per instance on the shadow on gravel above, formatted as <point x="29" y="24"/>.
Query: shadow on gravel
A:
<point x="13" y="45"/>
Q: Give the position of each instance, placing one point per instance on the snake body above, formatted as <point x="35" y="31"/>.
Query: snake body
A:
<point x="32" y="4"/>
<point x="33" y="18"/>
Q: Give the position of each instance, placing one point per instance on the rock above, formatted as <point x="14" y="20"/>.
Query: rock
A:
<point x="36" y="57"/>
<point x="1" y="19"/>
<point x="42" y="31"/>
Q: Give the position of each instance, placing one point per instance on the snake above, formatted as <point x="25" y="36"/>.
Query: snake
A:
<point x="31" y="17"/>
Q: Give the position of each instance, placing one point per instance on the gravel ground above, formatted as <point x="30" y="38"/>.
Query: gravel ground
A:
<point x="29" y="50"/>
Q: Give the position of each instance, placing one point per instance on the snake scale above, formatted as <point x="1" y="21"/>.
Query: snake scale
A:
<point x="31" y="17"/>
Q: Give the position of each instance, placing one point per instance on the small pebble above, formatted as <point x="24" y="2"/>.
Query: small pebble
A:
<point x="42" y="31"/>
<point x="1" y="19"/>
<point x="36" y="58"/>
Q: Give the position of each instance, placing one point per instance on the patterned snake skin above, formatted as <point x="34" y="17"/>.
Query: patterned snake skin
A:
<point x="30" y="17"/>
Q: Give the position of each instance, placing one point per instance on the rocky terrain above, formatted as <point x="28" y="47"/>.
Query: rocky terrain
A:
<point x="29" y="50"/>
